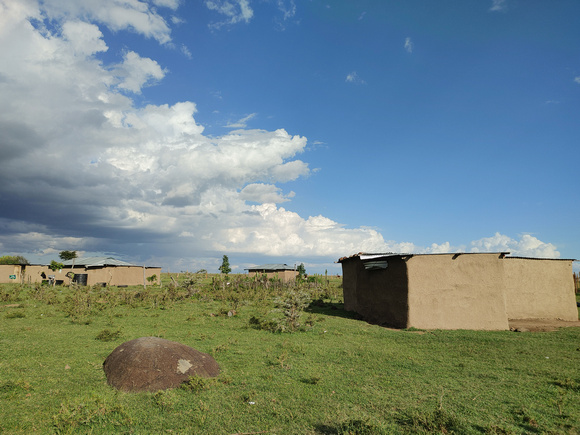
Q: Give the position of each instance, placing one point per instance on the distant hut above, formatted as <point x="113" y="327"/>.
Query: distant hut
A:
<point x="93" y="271"/>
<point x="281" y="271"/>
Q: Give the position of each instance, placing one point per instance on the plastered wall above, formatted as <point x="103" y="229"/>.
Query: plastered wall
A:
<point x="539" y="288"/>
<point x="451" y="291"/>
<point x="119" y="275"/>
<point x="284" y="275"/>
<point x="459" y="291"/>
<point x="6" y="270"/>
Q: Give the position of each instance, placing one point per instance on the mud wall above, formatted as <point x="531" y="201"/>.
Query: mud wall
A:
<point x="10" y="269"/>
<point x="451" y="291"/>
<point x="114" y="275"/>
<point x="539" y="289"/>
<point x="380" y="296"/>
<point x="120" y="275"/>
<point x="37" y="273"/>
<point x="283" y="275"/>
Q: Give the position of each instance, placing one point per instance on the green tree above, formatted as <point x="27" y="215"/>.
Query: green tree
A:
<point x="301" y="271"/>
<point x="225" y="267"/>
<point x="13" y="259"/>
<point x="54" y="266"/>
<point x="67" y="255"/>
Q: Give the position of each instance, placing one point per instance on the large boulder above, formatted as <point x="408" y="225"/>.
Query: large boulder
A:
<point x="152" y="364"/>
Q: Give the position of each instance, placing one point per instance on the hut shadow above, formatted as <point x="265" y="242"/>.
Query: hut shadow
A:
<point x="335" y="309"/>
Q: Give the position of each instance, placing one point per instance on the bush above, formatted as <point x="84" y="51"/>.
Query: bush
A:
<point x="292" y="305"/>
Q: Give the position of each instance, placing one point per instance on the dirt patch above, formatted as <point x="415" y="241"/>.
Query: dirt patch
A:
<point x="540" y="325"/>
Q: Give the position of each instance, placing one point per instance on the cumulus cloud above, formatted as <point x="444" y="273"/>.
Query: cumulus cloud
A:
<point x="577" y="79"/>
<point x="136" y="71"/>
<point x="527" y="246"/>
<point x="136" y="16"/>
<point x="275" y="231"/>
<point x="87" y="168"/>
<point x="264" y="193"/>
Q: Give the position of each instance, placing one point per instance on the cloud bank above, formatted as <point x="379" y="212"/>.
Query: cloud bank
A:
<point x="85" y="167"/>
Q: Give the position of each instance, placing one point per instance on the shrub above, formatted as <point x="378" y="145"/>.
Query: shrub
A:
<point x="9" y="293"/>
<point x="292" y="305"/>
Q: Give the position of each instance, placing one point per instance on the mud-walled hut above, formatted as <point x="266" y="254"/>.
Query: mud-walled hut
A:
<point x="281" y="271"/>
<point x="457" y="290"/>
<point x="89" y="271"/>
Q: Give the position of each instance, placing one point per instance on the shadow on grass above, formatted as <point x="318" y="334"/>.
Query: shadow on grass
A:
<point x="332" y="309"/>
<point x="353" y="426"/>
<point x="337" y="310"/>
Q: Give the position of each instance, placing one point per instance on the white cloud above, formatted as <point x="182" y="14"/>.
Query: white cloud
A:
<point x="242" y="123"/>
<point x="235" y="11"/>
<point x="86" y="168"/>
<point x="133" y="15"/>
<point x="408" y="45"/>
<point x="577" y="79"/>
<point x="527" y="246"/>
<point x="498" y="5"/>
<point x="264" y="193"/>
<point x="186" y="51"/>
<point x="171" y="4"/>
<point x="136" y="72"/>
<point x="288" y="9"/>
<point x="85" y="39"/>
<point x="274" y="231"/>
<point x="354" y="78"/>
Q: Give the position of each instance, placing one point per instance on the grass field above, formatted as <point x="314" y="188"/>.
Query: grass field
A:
<point x="336" y="374"/>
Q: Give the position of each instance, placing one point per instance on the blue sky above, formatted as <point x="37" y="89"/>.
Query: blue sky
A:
<point x="170" y="133"/>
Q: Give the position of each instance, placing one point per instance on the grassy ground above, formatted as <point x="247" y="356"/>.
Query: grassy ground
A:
<point x="336" y="375"/>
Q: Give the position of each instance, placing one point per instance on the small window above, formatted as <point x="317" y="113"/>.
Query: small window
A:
<point x="376" y="265"/>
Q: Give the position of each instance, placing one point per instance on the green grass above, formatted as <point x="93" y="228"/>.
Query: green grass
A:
<point x="338" y="376"/>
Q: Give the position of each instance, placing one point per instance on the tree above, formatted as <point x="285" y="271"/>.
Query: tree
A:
<point x="67" y="255"/>
<point x="301" y="271"/>
<point x="13" y="259"/>
<point x="54" y="266"/>
<point x="225" y="267"/>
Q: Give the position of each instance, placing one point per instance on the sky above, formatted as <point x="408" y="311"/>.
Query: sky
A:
<point x="171" y="132"/>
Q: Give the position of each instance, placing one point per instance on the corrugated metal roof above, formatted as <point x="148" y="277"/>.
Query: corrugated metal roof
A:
<point x="371" y="256"/>
<point x="368" y="256"/>
<point x="96" y="262"/>
<point x="272" y="267"/>
<point x="541" y="258"/>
